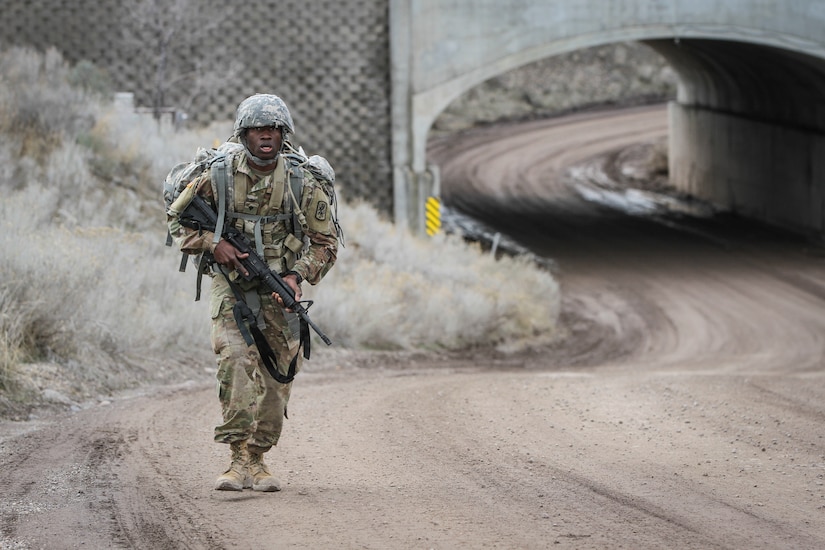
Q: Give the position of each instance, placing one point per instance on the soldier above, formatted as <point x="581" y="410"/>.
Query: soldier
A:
<point x="273" y="197"/>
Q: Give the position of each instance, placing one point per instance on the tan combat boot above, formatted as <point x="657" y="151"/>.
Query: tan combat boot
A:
<point x="262" y="480"/>
<point x="235" y="477"/>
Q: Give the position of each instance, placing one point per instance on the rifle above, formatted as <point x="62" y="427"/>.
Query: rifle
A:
<point x="199" y="215"/>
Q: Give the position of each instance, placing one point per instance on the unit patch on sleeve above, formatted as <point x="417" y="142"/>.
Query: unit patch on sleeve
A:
<point x="321" y="211"/>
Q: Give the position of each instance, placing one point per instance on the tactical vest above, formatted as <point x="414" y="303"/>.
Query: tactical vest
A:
<point x="280" y="200"/>
<point x="280" y="203"/>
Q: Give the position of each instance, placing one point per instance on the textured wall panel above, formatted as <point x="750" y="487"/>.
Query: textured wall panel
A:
<point x="328" y="59"/>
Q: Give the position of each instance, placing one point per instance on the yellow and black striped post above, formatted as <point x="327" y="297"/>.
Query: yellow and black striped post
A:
<point x="433" y="215"/>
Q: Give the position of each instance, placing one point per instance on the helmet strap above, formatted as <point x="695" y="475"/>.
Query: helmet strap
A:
<point x="263" y="163"/>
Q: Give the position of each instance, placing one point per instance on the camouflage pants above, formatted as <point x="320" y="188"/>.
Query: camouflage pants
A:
<point x="252" y="402"/>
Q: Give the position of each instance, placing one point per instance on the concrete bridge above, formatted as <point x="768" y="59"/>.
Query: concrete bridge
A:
<point x="747" y="130"/>
<point x="366" y="79"/>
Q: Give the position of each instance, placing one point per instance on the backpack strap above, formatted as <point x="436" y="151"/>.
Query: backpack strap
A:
<point x="220" y="182"/>
<point x="204" y="263"/>
<point x="296" y="185"/>
<point x="220" y="179"/>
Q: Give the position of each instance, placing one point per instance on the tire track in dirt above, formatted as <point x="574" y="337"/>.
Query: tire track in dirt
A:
<point x="699" y="303"/>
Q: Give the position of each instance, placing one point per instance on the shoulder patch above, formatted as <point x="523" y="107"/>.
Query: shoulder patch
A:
<point x="321" y="211"/>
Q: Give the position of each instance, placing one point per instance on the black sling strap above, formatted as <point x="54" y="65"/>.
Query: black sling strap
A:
<point x="248" y="325"/>
<point x="244" y="316"/>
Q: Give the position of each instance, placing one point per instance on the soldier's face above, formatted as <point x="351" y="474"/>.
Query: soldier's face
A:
<point x="265" y="142"/>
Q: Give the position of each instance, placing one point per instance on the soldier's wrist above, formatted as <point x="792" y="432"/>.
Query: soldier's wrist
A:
<point x="212" y="246"/>
<point x="298" y="277"/>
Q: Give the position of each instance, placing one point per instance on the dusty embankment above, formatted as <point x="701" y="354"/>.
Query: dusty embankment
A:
<point x="684" y="408"/>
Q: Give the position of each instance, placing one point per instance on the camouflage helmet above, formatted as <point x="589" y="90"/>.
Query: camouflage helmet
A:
<point x="261" y="110"/>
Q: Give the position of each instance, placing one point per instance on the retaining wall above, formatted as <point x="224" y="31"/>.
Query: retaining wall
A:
<point x="328" y="59"/>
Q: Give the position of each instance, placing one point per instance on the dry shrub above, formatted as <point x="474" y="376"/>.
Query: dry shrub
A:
<point x="38" y="105"/>
<point x="88" y="285"/>
<point x="12" y="336"/>
<point x="92" y="299"/>
<point x="392" y="290"/>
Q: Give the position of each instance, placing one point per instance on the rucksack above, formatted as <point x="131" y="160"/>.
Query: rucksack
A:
<point x="182" y="175"/>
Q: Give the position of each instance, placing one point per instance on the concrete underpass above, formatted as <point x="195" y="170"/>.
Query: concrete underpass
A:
<point x="746" y="129"/>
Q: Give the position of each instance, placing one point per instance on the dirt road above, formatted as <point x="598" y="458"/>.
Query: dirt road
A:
<point x="683" y="408"/>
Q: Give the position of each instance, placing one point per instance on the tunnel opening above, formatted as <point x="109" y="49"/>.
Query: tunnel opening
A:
<point x="620" y="74"/>
<point x="745" y="120"/>
<point x="764" y="83"/>
<point x="624" y="74"/>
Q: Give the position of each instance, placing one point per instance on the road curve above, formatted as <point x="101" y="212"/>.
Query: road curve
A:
<point x="695" y="290"/>
<point x="682" y="409"/>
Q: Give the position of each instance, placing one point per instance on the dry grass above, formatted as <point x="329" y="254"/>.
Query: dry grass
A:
<point x="88" y="287"/>
<point x="391" y="290"/>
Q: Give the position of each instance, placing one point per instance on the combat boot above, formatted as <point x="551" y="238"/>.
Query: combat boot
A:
<point x="234" y="478"/>
<point x="261" y="479"/>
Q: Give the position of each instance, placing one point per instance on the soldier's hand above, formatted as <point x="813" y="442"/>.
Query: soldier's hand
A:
<point x="229" y="256"/>
<point x="292" y="282"/>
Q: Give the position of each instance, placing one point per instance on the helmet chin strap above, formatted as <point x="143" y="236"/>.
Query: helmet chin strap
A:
<point x="263" y="163"/>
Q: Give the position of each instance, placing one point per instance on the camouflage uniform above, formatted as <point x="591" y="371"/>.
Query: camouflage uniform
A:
<point x="253" y="403"/>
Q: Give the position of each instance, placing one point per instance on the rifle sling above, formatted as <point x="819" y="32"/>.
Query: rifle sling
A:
<point x="248" y="325"/>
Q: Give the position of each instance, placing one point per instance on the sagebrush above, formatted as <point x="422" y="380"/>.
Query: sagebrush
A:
<point x="88" y="287"/>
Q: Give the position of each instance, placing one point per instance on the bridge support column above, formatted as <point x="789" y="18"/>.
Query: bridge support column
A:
<point x="412" y="189"/>
<point x="766" y="171"/>
<point x="413" y="180"/>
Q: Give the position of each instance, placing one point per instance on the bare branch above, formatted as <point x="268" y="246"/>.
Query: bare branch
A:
<point x="163" y="32"/>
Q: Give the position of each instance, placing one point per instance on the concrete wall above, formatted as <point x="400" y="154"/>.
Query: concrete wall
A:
<point x="461" y="43"/>
<point x="775" y="175"/>
<point x="328" y="59"/>
<point x="748" y="130"/>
